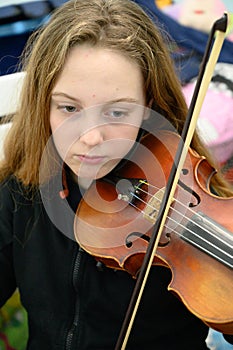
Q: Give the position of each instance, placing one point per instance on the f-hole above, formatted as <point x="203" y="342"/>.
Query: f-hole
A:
<point x="189" y="190"/>
<point x="130" y="238"/>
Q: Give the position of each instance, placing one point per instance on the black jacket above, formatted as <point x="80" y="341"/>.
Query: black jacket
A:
<point x="72" y="304"/>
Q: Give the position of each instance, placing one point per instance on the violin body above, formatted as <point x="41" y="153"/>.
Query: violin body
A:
<point x="115" y="220"/>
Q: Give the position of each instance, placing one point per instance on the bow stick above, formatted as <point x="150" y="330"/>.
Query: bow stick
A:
<point x="207" y="67"/>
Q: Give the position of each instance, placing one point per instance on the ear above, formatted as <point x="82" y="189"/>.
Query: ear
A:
<point x="146" y="114"/>
<point x="147" y="110"/>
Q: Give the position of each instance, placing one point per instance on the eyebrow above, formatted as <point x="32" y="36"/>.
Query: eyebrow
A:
<point x="62" y="94"/>
<point x="122" y="99"/>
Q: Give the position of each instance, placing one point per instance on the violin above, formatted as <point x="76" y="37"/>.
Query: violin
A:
<point x="159" y="209"/>
<point x="115" y="218"/>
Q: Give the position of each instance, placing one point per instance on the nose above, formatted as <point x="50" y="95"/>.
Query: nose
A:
<point x="92" y="137"/>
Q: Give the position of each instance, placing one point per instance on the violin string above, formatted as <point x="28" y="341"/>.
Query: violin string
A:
<point x="194" y="233"/>
<point x="187" y="229"/>
<point x="192" y="242"/>
<point x="196" y="244"/>
<point x="189" y="219"/>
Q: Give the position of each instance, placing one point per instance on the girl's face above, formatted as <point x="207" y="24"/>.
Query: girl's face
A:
<point x="97" y="108"/>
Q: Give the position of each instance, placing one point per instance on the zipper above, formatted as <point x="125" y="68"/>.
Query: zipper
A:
<point x="76" y="270"/>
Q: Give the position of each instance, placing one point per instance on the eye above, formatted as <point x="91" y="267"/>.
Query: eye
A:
<point x="116" y="114"/>
<point x="68" y="108"/>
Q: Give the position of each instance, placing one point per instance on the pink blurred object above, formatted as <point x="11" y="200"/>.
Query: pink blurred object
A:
<point x="215" y="123"/>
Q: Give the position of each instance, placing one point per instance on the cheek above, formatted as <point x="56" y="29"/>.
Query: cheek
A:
<point x="122" y="131"/>
<point x="130" y="133"/>
<point x="55" y="122"/>
<point x="57" y="135"/>
<point x="121" y="141"/>
<point x="64" y="135"/>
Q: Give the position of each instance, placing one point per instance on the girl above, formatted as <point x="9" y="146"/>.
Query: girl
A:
<point x="92" y="74"/>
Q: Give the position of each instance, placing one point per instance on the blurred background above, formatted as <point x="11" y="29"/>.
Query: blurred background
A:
<point x="18" y="18"/>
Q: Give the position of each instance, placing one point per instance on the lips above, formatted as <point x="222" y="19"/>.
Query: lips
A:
<point x="90" y="159"/>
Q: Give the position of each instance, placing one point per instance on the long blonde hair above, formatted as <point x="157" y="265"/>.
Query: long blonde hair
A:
<point x="119" y="25"/>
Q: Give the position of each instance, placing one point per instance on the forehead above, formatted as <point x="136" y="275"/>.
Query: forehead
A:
<point x="93" y="67"/>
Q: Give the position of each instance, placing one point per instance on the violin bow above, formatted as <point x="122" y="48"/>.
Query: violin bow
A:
<point x="217" y="34"/>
